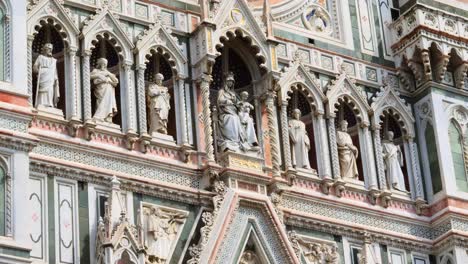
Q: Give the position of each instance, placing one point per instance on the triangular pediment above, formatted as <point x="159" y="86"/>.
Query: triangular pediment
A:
<point x="343" y="86"/>
<point x="237" y="13"/>
<point x="254" y="227"/>
<point x="298" y="73"/>
<point x="388" y="97"/>
<point x="105" y="22"/>
<point x="45" y="9"/>
<point x="159" y="36"/>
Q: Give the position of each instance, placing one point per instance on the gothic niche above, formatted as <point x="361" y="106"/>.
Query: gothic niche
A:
<point x="303" y="151"/>
<point x="394" y="151"/>
<point x="48" y="54"/>
<point x="105" y="81"/>
<point x="233" y="95"/>
<point x="348" y="136"/>
<point x="160" y="104"/>
<point x="162" y="227"/>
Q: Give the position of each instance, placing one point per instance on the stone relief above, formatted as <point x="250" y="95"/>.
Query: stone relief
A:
<point x="317" y="19"/>
<point x="105" y="83"/>
<point x="236" y="130"/>
<point x="249" y="257"/>
<point x="47" y="93"/>
<point x="393" y="160"/>
<point x="300" y="142"/>
<point x="347" y="152"/>
<point x="159" y="105"/>
<point x="315" y="251"/>
<point x="162" y="227"/>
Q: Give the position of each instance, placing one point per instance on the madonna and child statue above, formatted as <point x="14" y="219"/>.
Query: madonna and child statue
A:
<point x="236" y="129"/>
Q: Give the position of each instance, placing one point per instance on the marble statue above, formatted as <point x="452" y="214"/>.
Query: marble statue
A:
<point x="159" y="105"/>
<point x="47" y="93"/>
<point x="105" y="83"/>
<point x="249" y="257"/>
<point x="247" y="122"/>
<point x="314" y="254"/>
<point x="162" y="229"/>
<point x="236" y="130"/>
<point x="393" y="160"/>
<point x="331" y="255"/>
<point x="347" y="152"/>
<point x="300" y="142"/>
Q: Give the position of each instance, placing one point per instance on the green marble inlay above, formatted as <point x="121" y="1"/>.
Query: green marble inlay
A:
<point x="22" y="253"/>
<point x="433" y="159"/>
<point x="2" y="201"/>
<point x="457" y="157"/>
<point x="83" y="222"/>
<point x="51" y="218"/>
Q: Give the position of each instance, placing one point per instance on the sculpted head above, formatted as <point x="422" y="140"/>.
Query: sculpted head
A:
<point x="159" y="78"/>
<point x="101" y="63"/>
<point x="296" y="114"/>
<point x="47" y="49"/>
<point x="244" y="95"/>
<point x="344" y="125"/>
<point x="390" y="135"/>
<point x="230" y="80"/>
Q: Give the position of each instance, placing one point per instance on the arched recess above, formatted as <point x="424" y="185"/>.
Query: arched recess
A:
<point x="458" y="138"/>
<point x="237" y="55"/>
<point x="458" y="68"/>
<point x="5" y="45"/>
<point x="347" y="103"/>
<point x="299" y="89"/>
<point x="162" y="54"/>
<point x="103" y="36"/>
<point x="49" y="22"/>
<point x="392" y="114"/>
<point x="5" y="198"/>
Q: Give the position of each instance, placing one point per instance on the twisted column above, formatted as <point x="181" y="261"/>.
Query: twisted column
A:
<point x="183" y="111"/>
<point x="272" y="127"/>
<point x="333" y="148"/>
<point x="415" y="167"/>
<point x="30" y="77"/>
<point x="71" y="53"/>
<point x="285" y="135"/>
<point x="370" y="160"/>
<point x="208" y="131"/>
<point x="129" y="89"/>
<point x="143" y="127"/>
<point x="87" y="85"/>
<point x="380" y="161"/>
<point x="324" y="149"/>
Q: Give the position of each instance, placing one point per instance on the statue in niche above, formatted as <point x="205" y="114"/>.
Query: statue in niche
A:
<point x="393" y="160"/>
<point x="347" y="152"/>
<point x="159" y="105"/>
<point x="47" y="93"/>
<point x="244" y="108"/>
<point x="300" y="142"/>
<point x="331" y="255"/>
<point x="162" y="229"/>
<point x="232" y="135"/>
<point x="105" y="83"/>
<point x="249" y="257"/>
<point x="314" y="254"/>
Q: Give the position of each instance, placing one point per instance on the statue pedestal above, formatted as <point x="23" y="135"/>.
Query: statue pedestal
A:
<point x="164" y="138"/>
<point x="110" y="127"/>
<point x="249" y="160"/>
<point x="50" y="112"/>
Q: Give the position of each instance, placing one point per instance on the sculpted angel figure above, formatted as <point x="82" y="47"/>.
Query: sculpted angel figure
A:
<point x="244" y="108"/>
<point x="393" y="158"/>
<point x="159" y="105"/>
<point x="300" y="142"/>
<point x="105" y="83"/>
<point x="45" y="66"/>
<point x="347" y="152"/>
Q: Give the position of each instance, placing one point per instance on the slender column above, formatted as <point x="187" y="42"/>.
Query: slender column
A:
<point x="415" y="168"/>
<point x="30" y="77"/>
<point x="208" y="131"/>
<point x="380" y="161"/>
<point x="129" y="88"/>
<point x="285" y="135"/>
<point x="369" y="158"/>
<point x="333" y="148"/>
<point x="182" y="111"/>
<point x="71" y="53"/>
<point x="324" y="149"/>
<point x="8" y="207"/>
<point x="272" y="127"/>
<point x="143" y="127"/>
<point x="87" y="85"/>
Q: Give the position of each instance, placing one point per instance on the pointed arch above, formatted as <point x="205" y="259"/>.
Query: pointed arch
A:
<point x="344" y="89"/>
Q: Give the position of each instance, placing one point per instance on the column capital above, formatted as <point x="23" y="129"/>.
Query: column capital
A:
<point x="141" y="67"/>
<point x="86" y="53"/>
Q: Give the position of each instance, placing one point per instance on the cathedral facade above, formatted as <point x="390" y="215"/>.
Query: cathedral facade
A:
<point x="234" y="131"/>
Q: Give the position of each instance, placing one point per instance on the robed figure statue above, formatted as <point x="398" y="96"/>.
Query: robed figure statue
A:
<point x="347" y="153"/>
<point x="47" y="93"/>
<point x="393" y="158"/>
<point x="300" y="142"/>
<point x="105" y="83"/>
<point x="159" y="105"/>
